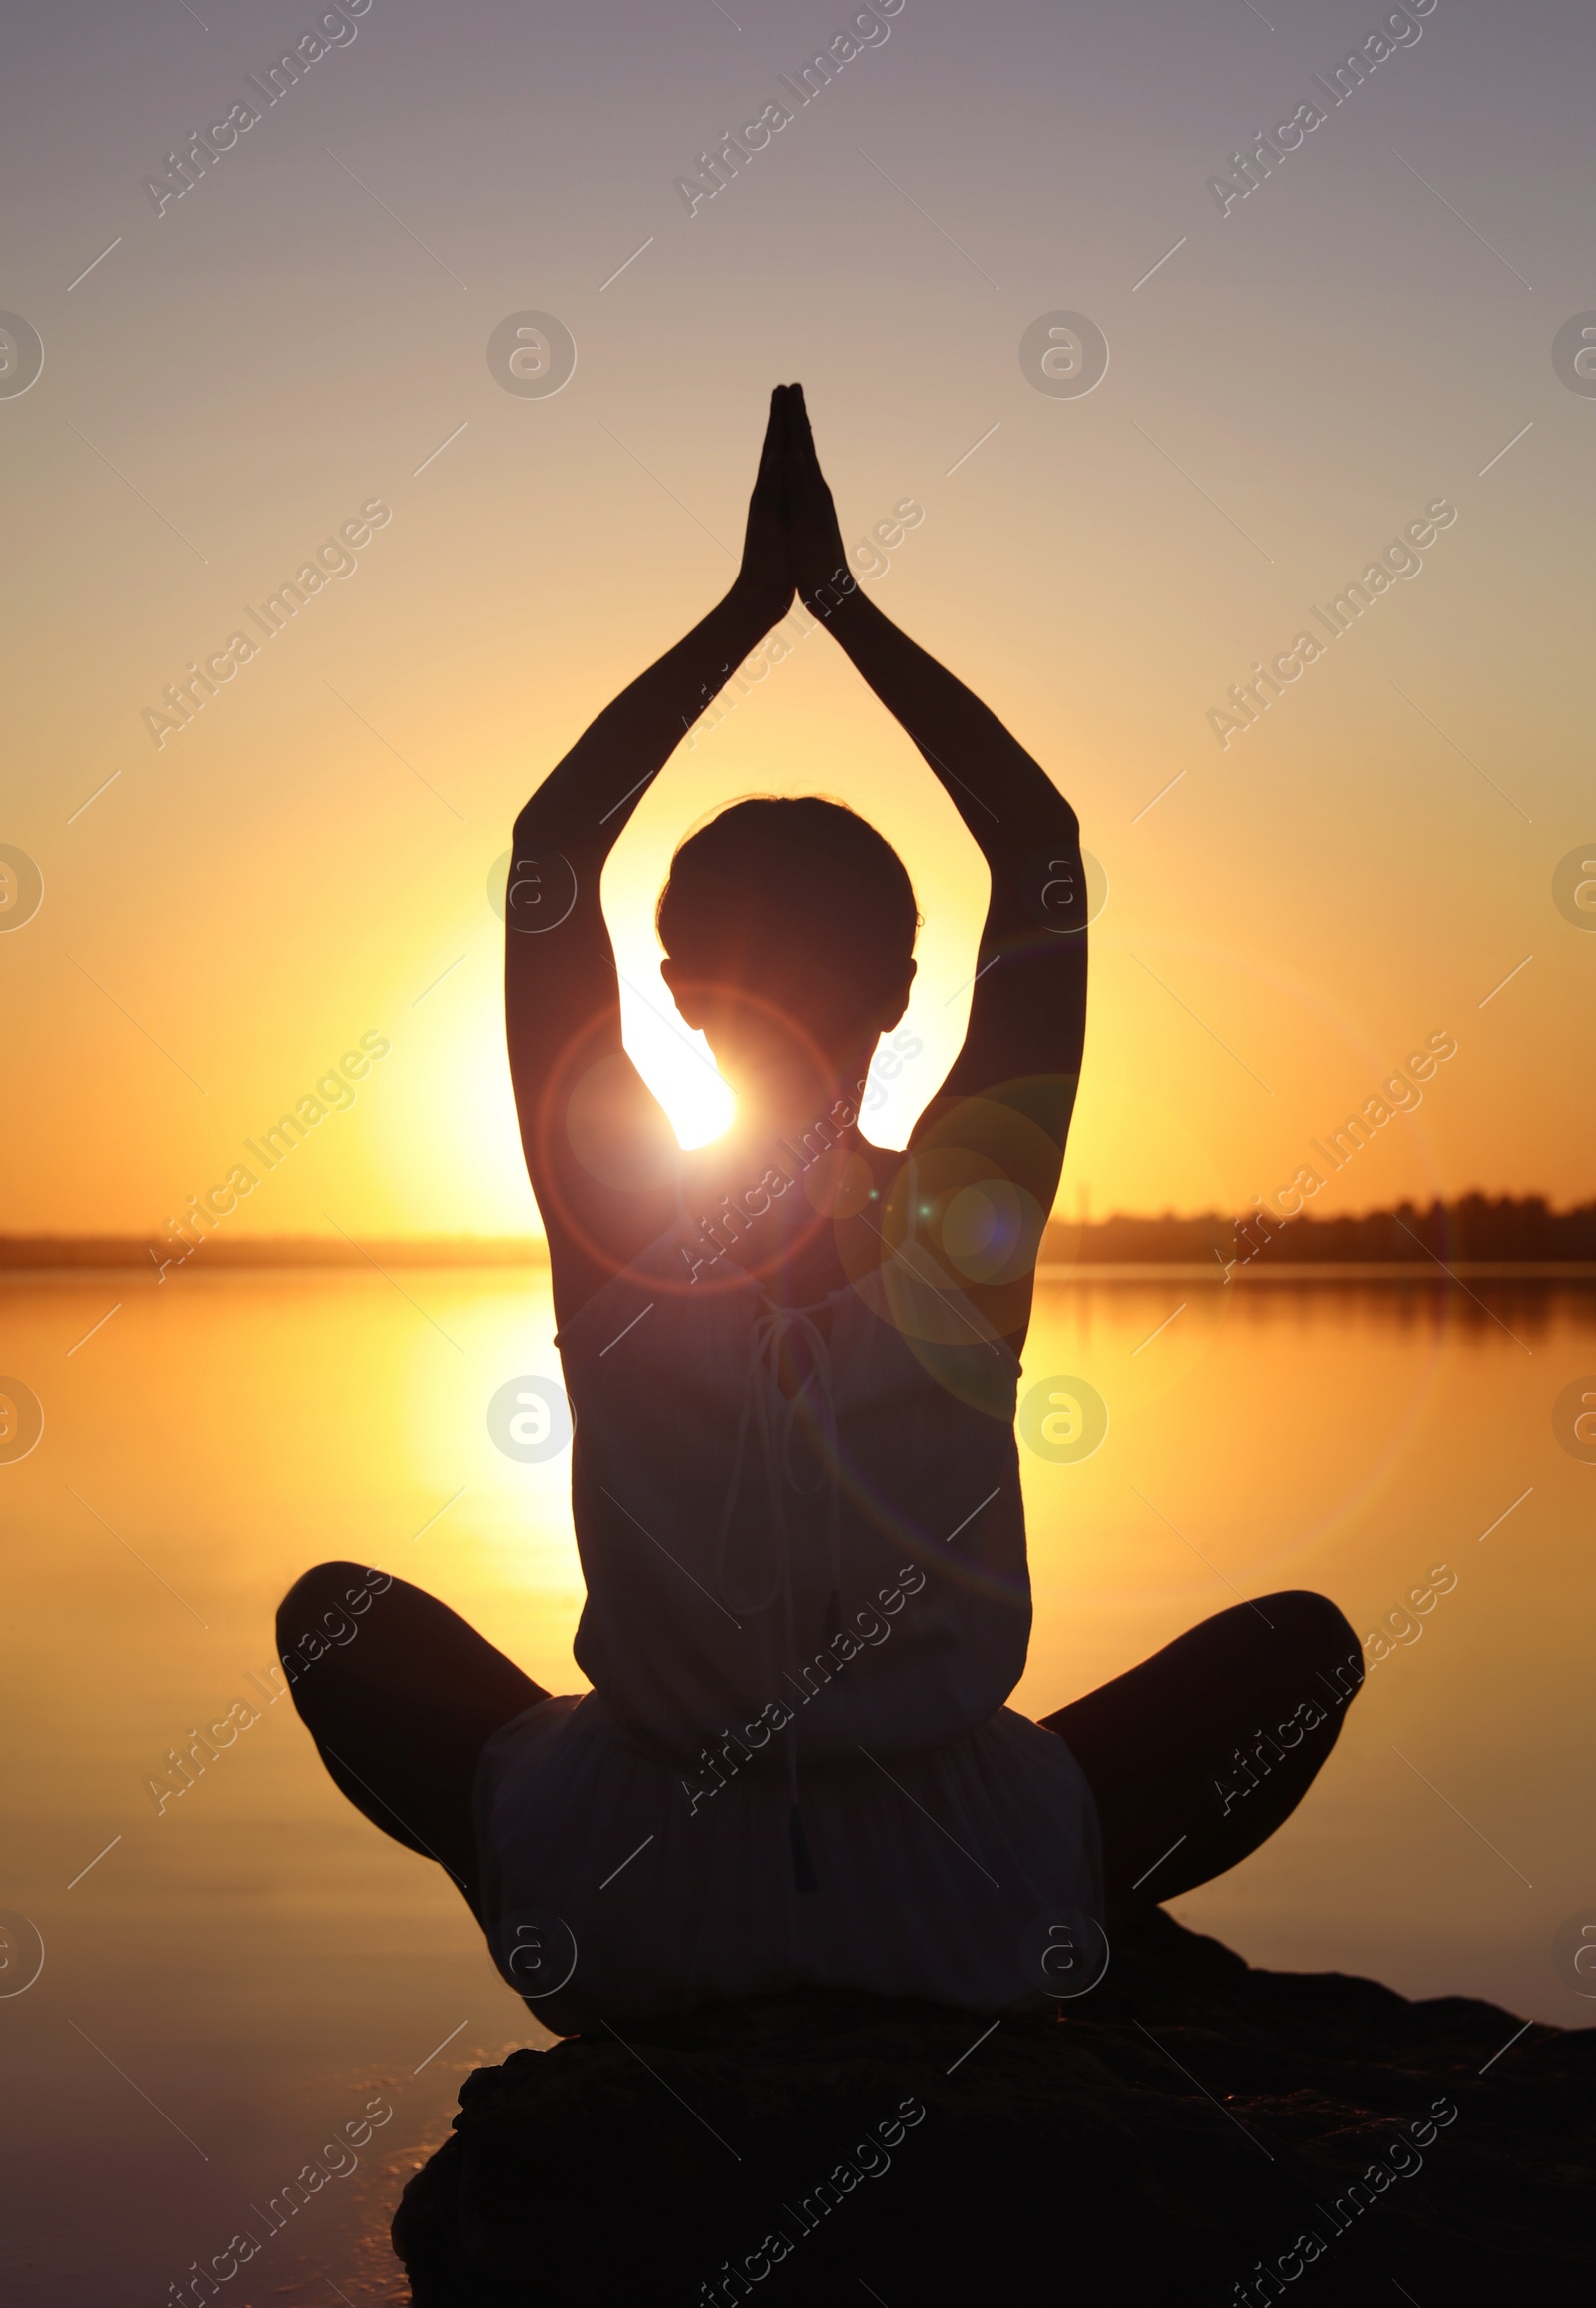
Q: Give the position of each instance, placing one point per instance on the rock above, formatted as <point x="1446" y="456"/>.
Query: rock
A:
<point x="1169" y="2138"/>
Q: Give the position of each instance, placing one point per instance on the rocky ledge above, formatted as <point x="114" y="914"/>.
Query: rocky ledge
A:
<point x="1192" y="2131"/>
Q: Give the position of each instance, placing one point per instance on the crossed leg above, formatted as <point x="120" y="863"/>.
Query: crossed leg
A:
<point x="400" y="1696"/>
<point x="1197" y="1755"/>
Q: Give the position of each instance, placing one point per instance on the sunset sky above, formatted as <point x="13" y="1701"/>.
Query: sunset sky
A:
<point x="304" y="333"/>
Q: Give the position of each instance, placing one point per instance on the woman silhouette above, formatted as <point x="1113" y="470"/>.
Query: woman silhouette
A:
<point x="793" y="1362"/>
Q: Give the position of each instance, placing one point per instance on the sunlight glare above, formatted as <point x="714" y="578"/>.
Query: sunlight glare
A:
<point x="677" y="1065"/>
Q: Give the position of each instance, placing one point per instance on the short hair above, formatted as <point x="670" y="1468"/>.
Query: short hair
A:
<point x="771" y="884"/>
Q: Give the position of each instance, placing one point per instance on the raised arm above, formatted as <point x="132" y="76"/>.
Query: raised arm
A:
<point x="601" y="1167"/>
<point x="1027" y="1013"/>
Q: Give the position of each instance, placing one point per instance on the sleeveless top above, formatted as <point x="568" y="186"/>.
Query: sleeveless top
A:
<point x="804" y="1614"/>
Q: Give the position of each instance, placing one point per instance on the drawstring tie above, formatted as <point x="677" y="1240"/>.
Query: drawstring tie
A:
<point x="773" y="1417"/>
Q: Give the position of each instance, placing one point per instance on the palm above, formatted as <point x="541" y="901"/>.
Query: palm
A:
<point x="792" y="541"/>
<point x="818" y="557"/>
<point x="766" y="572"/>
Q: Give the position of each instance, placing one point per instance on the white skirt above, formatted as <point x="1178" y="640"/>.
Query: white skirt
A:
<point x="615" y="1887"/>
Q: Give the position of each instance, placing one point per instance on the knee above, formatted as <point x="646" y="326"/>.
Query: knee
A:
<point x="1321" y="1635"/>
<point x="318" y="1609"/>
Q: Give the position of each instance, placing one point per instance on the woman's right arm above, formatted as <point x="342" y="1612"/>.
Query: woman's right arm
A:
<point x="562" y="991"/>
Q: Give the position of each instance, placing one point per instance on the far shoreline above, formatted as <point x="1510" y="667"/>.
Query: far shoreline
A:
<point x="1502" y="1237"/>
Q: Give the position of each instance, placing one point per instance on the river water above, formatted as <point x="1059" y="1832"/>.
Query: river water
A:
<point x="229" y="1985"/>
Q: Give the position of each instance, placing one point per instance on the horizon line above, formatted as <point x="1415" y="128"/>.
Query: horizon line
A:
<point x="45" y="1248"/>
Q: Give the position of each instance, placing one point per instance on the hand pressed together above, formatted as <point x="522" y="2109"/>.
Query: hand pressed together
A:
<point x="793" y="543"/>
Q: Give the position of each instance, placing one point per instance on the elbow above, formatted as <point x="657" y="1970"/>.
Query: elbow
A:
<point x="547" y="807"/>
<point x="1051" y="828"/>
<point x="1051" y="814"/>
<point x="539" y="831"/>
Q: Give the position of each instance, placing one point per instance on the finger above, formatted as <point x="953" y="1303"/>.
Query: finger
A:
<point x="784" y="420"/>
<point x="804" y="432"/>
<point x="772" y="454"/>
<point x="783" y="451"/>
<point x="798" y="472"/>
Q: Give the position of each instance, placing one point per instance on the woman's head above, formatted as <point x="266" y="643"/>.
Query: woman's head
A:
<point x="789" y="931"/>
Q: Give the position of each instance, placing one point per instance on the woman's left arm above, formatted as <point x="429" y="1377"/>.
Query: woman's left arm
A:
<point x="1027" y="1015"/>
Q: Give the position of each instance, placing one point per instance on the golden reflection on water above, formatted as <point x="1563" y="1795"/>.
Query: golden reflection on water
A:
<point x="228" y="1983"/>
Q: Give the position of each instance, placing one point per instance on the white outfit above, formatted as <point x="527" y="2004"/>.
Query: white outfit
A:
<point x="795" y="1767"/>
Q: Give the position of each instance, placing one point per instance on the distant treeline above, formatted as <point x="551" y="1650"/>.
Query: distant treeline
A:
<point x="1474" y="1228"/>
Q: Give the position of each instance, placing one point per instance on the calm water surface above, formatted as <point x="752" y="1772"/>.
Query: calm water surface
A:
<point x="228" y="1985"/>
